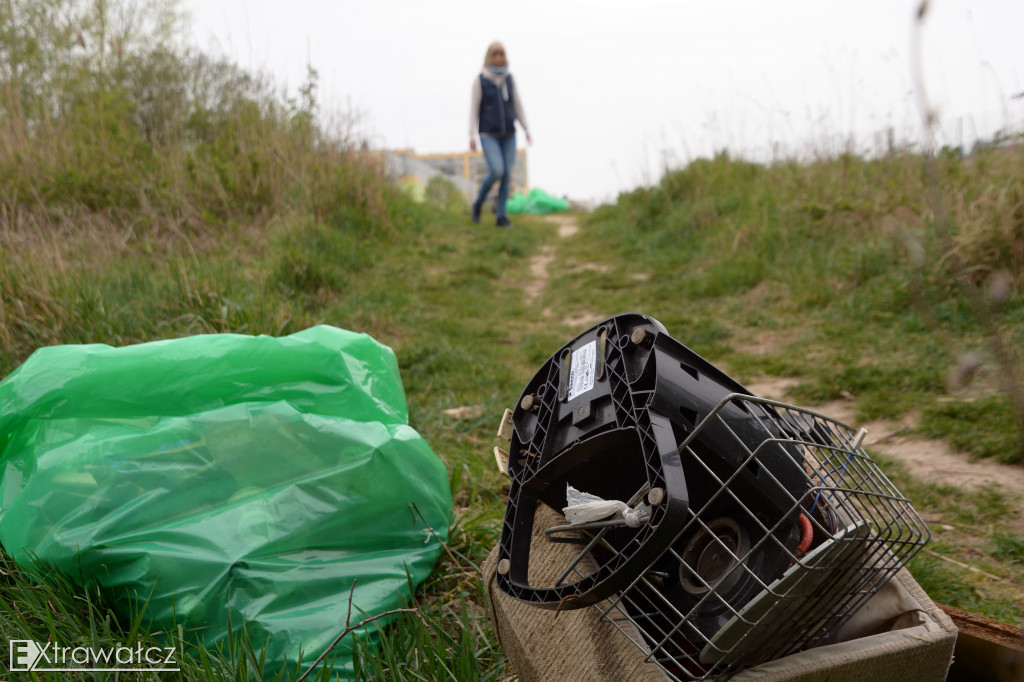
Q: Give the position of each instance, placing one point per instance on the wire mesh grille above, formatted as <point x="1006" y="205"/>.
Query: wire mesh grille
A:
<point x="754" y="529"/>
<point x="740" y="586"/>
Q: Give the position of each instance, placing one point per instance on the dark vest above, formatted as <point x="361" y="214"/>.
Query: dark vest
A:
<point x="497" y="117"/>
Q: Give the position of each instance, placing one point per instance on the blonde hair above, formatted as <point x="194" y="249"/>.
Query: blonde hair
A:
<point x="491" y="49"/>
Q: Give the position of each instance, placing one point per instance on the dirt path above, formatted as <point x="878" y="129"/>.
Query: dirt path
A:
<point x="536" y="286"/>
<point x="929" y="460"/>
<point x="540" y="262"/>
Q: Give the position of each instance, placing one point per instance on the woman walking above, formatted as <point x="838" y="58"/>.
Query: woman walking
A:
<point x="493" y="113"/>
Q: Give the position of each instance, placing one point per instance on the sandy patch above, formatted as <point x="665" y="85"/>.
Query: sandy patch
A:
<point x="929" y="460"/>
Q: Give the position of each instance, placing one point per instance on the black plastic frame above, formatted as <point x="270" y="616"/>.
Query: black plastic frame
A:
<point x="619" y="439"/>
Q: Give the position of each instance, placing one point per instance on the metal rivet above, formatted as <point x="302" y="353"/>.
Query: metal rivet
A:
<point x="638" y="336"/>
<point x="503" y="566"/>
<point x="656" y="496"/>
<point x="527" y="402"/>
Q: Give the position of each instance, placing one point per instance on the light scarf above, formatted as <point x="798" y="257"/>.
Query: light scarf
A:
<point x="499" y="76"/>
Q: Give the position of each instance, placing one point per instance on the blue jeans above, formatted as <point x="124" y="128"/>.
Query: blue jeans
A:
<point x="500" y="153"/>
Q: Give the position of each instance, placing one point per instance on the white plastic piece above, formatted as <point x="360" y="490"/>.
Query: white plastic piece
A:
<point x="501" y="457"/>
<point x="859" y="439"/>
<point x="505" y="428"/>
<point x="586" y="508"/>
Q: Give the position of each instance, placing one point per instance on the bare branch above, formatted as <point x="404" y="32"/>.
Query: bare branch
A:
<point x="347" y="630"/>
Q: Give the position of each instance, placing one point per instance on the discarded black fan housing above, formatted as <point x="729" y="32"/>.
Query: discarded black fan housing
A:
<point x="607" y="413"/>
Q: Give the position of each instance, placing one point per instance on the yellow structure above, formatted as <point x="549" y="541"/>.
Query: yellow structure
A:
<point x="471" y="166"/>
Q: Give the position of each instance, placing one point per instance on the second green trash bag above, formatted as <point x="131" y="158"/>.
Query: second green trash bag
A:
<point x="226" y="476"/>
<point x="537" y="201"/>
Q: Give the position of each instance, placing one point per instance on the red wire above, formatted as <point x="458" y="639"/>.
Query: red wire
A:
<point x="807" y="537"/>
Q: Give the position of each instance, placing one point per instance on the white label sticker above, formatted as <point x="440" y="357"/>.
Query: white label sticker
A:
<point x="582" y="368"/>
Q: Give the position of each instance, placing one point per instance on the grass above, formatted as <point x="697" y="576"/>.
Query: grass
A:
<point x="446" y="359"/>
<point x="238" y="214"/>
<point x="975" y="427"/>
<point x="861" y="297"/>
<point x="970" y="528"/>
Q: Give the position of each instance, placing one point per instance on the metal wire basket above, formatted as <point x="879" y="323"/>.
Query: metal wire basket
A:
<point x="748" y="529"/>
<point x="732" y="591"/>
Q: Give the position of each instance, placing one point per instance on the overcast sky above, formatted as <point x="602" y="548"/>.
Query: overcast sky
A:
<point x="616" y="90"/>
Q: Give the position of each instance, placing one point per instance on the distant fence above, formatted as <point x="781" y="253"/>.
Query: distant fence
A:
<point x="465" y="170"/>
<point x="403" y="168"/>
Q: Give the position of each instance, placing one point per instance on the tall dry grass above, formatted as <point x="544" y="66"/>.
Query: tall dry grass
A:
<point x="118" y="140"/>
<point x="103" y="113"/>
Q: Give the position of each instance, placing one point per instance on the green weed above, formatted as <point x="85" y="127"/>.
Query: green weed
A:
<point x="959" y="588"/>
<point x="983" y="428"/>
<point x="1009" y="548"/>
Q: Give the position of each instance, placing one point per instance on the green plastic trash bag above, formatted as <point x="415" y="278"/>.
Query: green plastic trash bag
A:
<point x="225" y="475"/>
<point x="537" y="201"/>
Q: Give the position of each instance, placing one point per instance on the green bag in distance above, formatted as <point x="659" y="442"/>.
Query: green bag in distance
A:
<point x="224" y="474"/>
<point x="537" y="202"/>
